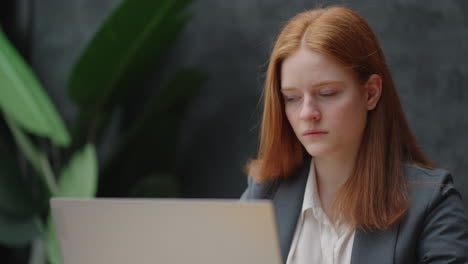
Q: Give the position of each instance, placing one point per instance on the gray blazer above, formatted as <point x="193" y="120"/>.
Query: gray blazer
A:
<point x="434" y="230"/>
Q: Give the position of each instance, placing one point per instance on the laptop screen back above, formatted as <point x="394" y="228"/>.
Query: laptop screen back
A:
<point x="175" y="231"/>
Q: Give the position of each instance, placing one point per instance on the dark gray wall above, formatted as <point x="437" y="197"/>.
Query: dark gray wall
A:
<point x="425" y="42"/>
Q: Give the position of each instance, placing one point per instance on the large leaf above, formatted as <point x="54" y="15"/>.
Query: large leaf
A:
<point x="120" y="56"/>
<point x="134" y="33"/>
<point x="78" y="179"/>
<point x="24" y="100"/>
<point x="18" y="231"/>
<point x="153" y="138"/>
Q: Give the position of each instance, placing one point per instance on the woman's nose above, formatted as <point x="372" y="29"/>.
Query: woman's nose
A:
<point x="309" y="110"/>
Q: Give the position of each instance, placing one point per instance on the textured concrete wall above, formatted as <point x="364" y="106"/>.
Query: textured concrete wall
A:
<point x="426" y="44"/>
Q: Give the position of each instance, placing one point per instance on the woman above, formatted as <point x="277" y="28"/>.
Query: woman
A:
<point x="347" y="178"/>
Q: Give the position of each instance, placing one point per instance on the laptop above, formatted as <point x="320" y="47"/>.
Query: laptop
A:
<point x="172" y="231"/>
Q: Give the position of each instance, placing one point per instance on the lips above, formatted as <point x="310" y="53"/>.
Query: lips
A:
<point x="314" y="132"/>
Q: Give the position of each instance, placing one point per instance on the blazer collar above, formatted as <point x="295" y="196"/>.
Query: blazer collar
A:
<point x="367" y="247"/>
<point x="287" y="201"/>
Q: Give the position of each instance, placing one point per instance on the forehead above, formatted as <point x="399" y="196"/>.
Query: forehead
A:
<point x="305" y="68"/>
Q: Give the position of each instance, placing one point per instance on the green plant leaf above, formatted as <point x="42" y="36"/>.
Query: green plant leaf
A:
<point x="153" y="138"/>
<point x="134" y="33"/>
<point x="79" y="177"/>
<point x="24" y="100"/>
<point x="18" y="231"/>
<point x="122" y="52"/>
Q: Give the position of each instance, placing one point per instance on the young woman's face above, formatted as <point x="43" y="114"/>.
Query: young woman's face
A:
<point x="325" y="105"/>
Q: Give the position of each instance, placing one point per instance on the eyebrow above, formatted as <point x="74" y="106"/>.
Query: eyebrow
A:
<point x="315" y="85"/>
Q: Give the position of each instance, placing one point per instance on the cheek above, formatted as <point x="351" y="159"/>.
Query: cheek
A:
<point x="291" y="116"/>
<point x="291" y="111"/>
<point x="349" y="118"/>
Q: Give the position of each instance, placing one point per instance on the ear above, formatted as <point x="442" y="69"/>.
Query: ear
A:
<point x="373" y="91"/>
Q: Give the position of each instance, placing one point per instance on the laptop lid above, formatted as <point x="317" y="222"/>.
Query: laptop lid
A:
<point x="173" y="231"/>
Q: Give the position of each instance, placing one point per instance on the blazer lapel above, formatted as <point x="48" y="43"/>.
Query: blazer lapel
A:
<point x="288" y="204"/>
<point x="370" y="247"/>
<point x="375" y="247"/>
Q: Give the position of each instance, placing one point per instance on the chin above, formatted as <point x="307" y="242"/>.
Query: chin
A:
<point x="318" y="150"/>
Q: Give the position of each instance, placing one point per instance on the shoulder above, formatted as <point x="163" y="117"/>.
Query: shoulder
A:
<point x="436" y="220"/>
<point x="269" y="188"/>
<point x="257" y="190"/>
<point x="426" y="185"/>
<point x="414" y="172"/>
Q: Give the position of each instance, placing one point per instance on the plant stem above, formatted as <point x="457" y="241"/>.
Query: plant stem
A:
<point x="38" y="159"/>
<point x="38" y="255"/>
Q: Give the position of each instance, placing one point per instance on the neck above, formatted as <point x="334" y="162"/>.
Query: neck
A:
<point x="332" y="173"/>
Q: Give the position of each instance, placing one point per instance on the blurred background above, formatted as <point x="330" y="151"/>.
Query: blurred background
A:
<point x="161" y="98"/>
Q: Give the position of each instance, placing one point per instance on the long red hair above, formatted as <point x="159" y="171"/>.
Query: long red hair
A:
<point x="375" y="196"/>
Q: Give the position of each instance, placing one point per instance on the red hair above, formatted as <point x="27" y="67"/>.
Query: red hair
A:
<point x="375" y="195"/>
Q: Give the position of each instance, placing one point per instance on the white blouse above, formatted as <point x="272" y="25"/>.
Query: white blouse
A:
<point x="316" y="240"/>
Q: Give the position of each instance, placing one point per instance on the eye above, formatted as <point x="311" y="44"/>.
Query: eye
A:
<point x="328" y="94"/>
<point x="290" y="98"/>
